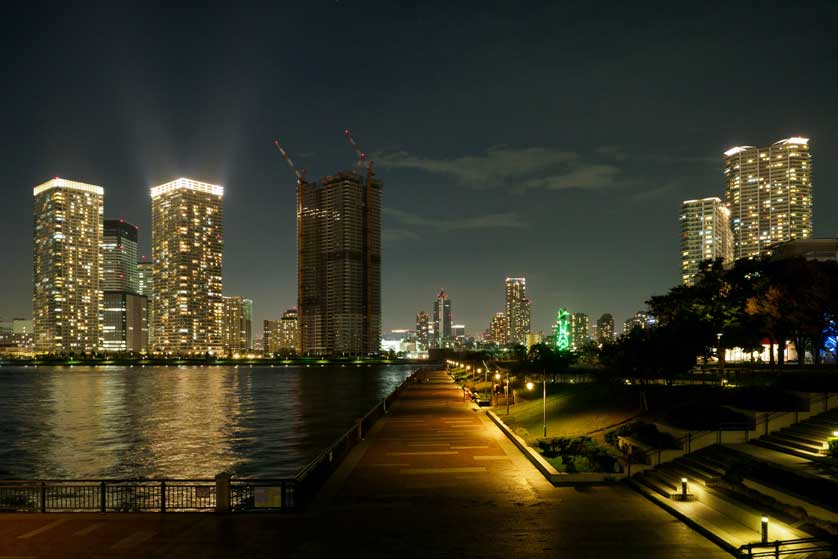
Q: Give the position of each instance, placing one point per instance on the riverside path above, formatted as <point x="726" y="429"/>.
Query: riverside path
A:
<point x="432" y="479"/>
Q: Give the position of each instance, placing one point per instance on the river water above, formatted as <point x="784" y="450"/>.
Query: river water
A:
<point x="179" y="422"/>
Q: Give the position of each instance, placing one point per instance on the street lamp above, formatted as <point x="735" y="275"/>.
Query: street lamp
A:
<point x="507" y="392"/>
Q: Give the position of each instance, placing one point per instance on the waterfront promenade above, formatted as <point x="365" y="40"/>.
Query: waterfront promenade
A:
<point x="433" y="479"/>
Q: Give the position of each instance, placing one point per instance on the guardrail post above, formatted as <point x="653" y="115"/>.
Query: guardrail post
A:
<point x="43" y="497"/>
<point x="360" y="428"/>
<point x="222" y="492"/>
<point x="163" y="496"/>
<point x="103" y="497"/>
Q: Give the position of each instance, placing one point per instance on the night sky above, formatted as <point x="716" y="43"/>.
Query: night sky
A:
<point x="553" y="141"/>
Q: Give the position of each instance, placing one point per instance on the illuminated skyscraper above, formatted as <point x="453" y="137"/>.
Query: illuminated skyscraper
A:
<point x="769" y="194"/>
<point x="605" y="328"/>
<point x="124" y="322"/>
<point x="641" y="319"/>
<point x="237" y="329"/>
<point x="705" y="235"/>
<point x="187" y="242"/>
<point x="517" y="311"/>
<point x="289" y="331"/>
<point x="67" y="266"/>
<point x="497" y="329"/>
<point x="119" y="257"/>
<point x="146" y="287"/>
<point x="579" y="330"/>
<point x="144" y="279"/>
<point x="422" y="331"/>
<point x="443" y="337"/>
<point x="339" y="264"/>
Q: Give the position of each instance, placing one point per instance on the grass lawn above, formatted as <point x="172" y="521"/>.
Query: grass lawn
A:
<point x="572" y="409"/>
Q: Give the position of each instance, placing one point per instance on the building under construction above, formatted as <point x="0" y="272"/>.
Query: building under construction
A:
<point x="339" y="261"/>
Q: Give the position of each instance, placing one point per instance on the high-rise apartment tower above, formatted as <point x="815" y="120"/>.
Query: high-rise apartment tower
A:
<point x="579" y="330"/>
<point x="769" y="194"/>
<point x="339" y="264"/>
<point x="67" y="266"/>
<point x="237" y="327"/>
<point x="605" y="328"/>
<point x="517" y="311"/>
<point x="119" y="256"/>
<point x="187" y="242"/>
<point x="705" y="235"/>
<point x="422" y="331"/>
<point x="443" y="336"/>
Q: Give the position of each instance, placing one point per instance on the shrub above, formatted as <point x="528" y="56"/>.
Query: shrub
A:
<point x="832" y="445"/>
<point x="578" y="454"/>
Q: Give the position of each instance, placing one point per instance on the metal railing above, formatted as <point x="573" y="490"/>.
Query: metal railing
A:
<point x="144" y="495"/>
<point x="166" y="495"/>
<point x="783" y="548"/>
<point x="687" y="440"/>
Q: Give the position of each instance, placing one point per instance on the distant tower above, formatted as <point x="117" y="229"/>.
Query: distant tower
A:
<point x="562" y="329"/>
<point x="187" y="242"/>
<point x="579" y="330"/>
<point x="443" y="336"/>
<point x="605" y="328"/>
<point x="237" y="328"/>
<point x="705" y="235"/>
<point x="517" y="311"/>
<point x="422" y="331"/>
<point x="289" y="331"/>
<point x="769" y="194"/>
<point x="67" y="271"/>
<point x="497" y="329"/>
<point x="119" y="256"/>
<point x="146" y="287"/>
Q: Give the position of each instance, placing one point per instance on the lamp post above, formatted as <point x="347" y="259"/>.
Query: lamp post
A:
<point x="530" y="386"/>
<point x="507" y="392"/>
<point x="544" y="402"/>
<point x="764" y="529"/>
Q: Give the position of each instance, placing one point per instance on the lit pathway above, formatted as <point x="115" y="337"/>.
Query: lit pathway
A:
<point x="436" y="478"/>
<point x="433" y="479"/>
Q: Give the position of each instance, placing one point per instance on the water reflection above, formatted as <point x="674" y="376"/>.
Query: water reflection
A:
<point x="122" y="422"/>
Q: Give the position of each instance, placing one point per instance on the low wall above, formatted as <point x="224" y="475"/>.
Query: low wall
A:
<point x="547" y="470"/>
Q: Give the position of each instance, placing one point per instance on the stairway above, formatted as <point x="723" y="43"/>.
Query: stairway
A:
<point x="805" y="439"/>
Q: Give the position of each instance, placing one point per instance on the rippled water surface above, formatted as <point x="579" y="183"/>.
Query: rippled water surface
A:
<point x="120" y="422"/>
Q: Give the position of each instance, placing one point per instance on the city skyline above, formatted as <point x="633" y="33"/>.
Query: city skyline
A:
<point x="583" y="186"/>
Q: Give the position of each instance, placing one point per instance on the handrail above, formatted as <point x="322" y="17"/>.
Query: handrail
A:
<point x="802" y="545"/>
<point x="692" y="436"/>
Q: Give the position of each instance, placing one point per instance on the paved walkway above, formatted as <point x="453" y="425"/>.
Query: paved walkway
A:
<point x="433" y="479"/>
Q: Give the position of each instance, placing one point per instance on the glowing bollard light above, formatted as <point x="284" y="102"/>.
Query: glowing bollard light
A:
<point x="764" y="529"/>
<point x="684" y="487"/>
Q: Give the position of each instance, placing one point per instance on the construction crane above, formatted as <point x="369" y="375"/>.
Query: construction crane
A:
<point x="300" y="173"/>
<point x="362" y="156"/>
<point x="362" y="162"/>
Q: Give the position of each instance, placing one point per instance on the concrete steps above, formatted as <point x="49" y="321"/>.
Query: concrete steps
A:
<point x="805" y="439"/>
<point x="733" y="519"/>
